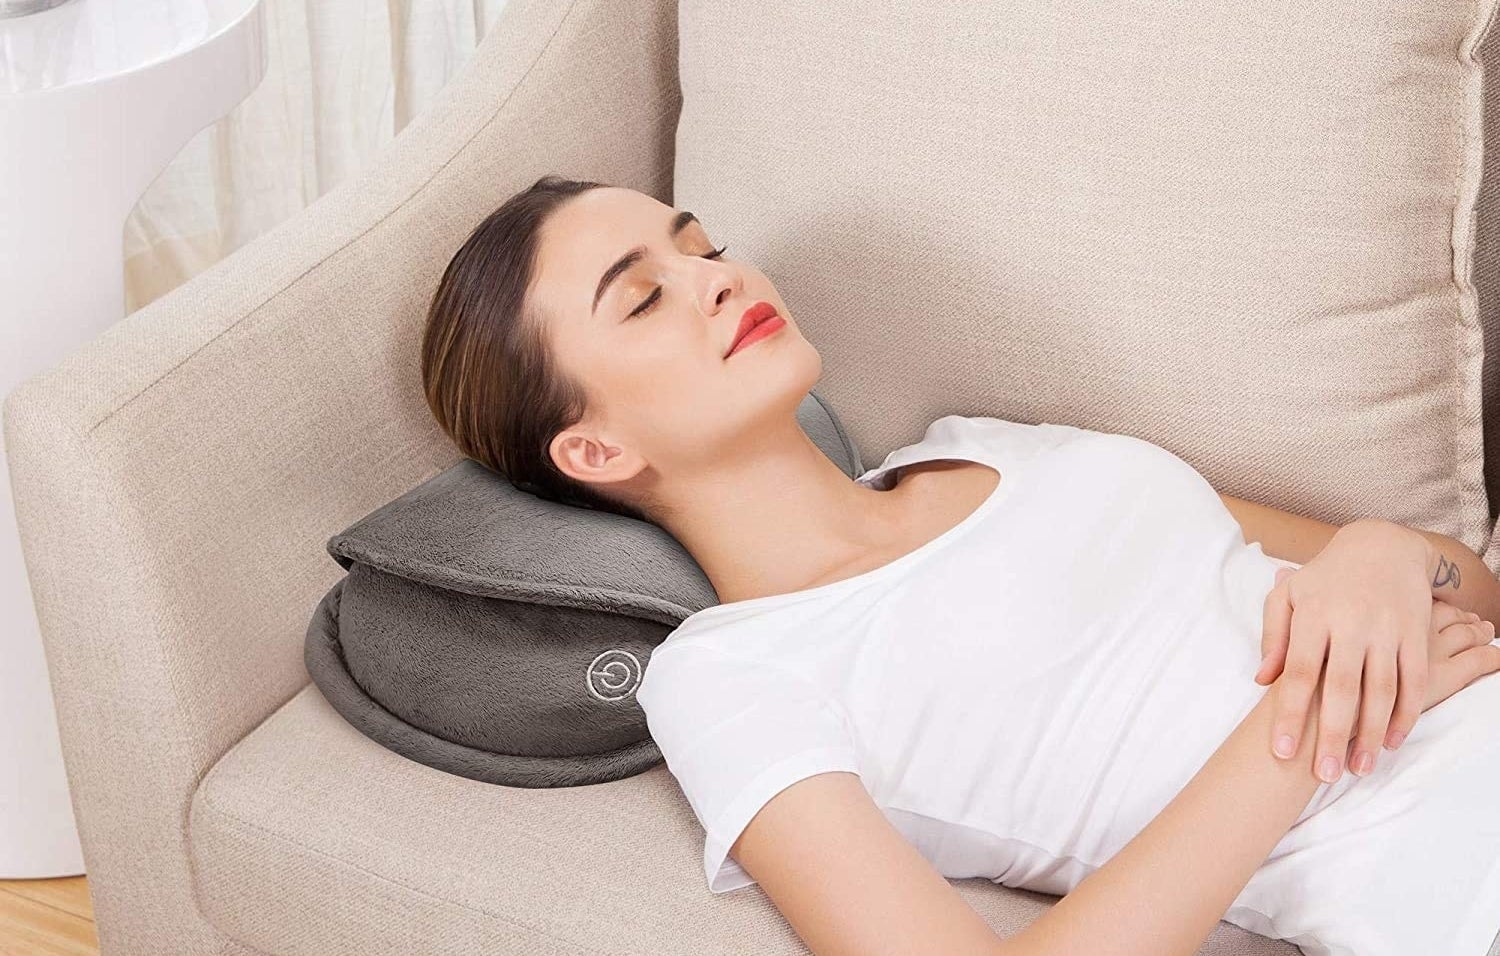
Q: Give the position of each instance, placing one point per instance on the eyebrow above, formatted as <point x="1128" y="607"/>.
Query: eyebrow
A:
<point x="679" y="223"/>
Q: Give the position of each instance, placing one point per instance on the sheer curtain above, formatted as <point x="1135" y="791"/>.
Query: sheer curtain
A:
<point x="343" y="78"/>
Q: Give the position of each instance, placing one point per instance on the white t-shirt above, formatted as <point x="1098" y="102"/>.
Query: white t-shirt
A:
<point x="1024" y="693"/>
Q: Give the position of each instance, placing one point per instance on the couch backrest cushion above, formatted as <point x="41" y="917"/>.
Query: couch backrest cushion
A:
<point x="1244" y="232"/>
<point x="1484" y="266"/>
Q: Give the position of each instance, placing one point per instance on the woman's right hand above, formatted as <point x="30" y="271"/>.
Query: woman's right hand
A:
<point x="1459" y="651"/>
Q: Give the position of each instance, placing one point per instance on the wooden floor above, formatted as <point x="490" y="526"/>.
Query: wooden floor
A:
<point x="47" y="918"/>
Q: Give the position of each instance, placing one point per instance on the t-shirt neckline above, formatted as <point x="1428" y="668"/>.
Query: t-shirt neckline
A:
<point x="1003" y="488"/>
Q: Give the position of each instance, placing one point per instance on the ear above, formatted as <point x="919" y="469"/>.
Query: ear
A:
<point x="591" y="457"/>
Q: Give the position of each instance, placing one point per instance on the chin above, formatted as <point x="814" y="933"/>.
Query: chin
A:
<point x="776" y="381"/>
<point x="802" y="367"/>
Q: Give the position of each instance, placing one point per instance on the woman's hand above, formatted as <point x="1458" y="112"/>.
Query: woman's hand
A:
<point x="1459" y="652"/>
<point x="1365" y="604"/>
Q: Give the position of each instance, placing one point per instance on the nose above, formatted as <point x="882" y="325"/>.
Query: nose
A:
<point x="721" y="283"/>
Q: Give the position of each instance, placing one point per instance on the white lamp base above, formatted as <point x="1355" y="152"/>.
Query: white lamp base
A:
<point x="96" y="97"/>
<point x="20" y="8"/>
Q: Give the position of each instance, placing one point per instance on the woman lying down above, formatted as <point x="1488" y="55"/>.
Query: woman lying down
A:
<point x="1035" y="653"/>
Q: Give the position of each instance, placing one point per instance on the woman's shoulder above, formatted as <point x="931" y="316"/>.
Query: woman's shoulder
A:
<point x="1009" y="440"/>
<point x="692" y="680"/>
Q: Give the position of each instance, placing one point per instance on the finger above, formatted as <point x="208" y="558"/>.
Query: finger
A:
<point x="1269" y="669"/>
<point x="1472" y="634"/>
<point x="1377" y="699"/>
<point x="1474" y="663"/>
<point x="1306" y="648"/>
<point x="1446" y="615"/>
<point x="1276" y="620"/>
<point x="1411" y="693"/>
<point x="1450" y="640"/>
<point x="1479" y="662"/>
<point x="1341" y="683"/>
<point x="1487" y="631"/>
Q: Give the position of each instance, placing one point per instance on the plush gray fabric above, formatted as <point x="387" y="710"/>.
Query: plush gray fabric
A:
<point x="494" y="634"/>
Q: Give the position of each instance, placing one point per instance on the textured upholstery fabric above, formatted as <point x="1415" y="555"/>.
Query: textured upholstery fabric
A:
<point x="1241" y="231"/>
<point x="311" y="840"/>
<point x="1487" y="270"/>
<point x="176" y="478"/>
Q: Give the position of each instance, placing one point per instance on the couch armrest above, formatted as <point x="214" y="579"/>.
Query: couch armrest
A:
<point x="176" y="478"/>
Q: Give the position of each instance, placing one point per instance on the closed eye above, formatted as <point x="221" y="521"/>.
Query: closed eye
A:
<point x="650" y="301"/>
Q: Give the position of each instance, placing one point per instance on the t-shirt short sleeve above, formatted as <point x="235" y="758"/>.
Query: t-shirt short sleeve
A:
<point x="735" y="732"/>
<point x="1016" y="440"/>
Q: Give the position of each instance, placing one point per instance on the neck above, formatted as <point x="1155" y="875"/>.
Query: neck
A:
<point x="777" y="516"/>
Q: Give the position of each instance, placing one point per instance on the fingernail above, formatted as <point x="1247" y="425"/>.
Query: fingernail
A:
<point x="1394" y="739"/>
<point x="1328" y="770"/>
<point x="1361" y="763"/>
<point x="1285" y="745"/>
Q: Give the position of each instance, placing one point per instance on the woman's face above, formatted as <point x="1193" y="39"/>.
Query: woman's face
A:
<point x="648" y="341"/>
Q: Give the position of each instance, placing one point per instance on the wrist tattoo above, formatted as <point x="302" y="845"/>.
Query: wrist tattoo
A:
<point x="1447" y="573"/>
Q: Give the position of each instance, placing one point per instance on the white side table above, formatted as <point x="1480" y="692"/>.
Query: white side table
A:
<point x="96" y="97"/>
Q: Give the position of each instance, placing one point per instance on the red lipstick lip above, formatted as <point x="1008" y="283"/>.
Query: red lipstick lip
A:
<point x="753" y="316"/>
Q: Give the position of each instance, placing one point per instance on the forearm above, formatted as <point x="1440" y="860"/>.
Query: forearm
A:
<point x="1454" y="572"/>
<point x="1167" y="889"/>
<point x="1460" y="577"/>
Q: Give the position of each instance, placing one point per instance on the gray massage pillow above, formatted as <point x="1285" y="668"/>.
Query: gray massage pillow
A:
<point x="494" y="634"/>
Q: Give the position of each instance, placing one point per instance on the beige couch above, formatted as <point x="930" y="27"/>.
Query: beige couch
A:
<point x="1247" y="234"/>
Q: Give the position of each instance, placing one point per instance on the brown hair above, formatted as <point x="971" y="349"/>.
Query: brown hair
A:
<point x="488" y="376"/>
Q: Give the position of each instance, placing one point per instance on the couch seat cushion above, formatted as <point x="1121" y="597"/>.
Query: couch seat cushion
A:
<point x="310" y="839"/>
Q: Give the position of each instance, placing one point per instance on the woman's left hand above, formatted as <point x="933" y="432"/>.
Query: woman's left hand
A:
<point x="1365" y="602"/>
